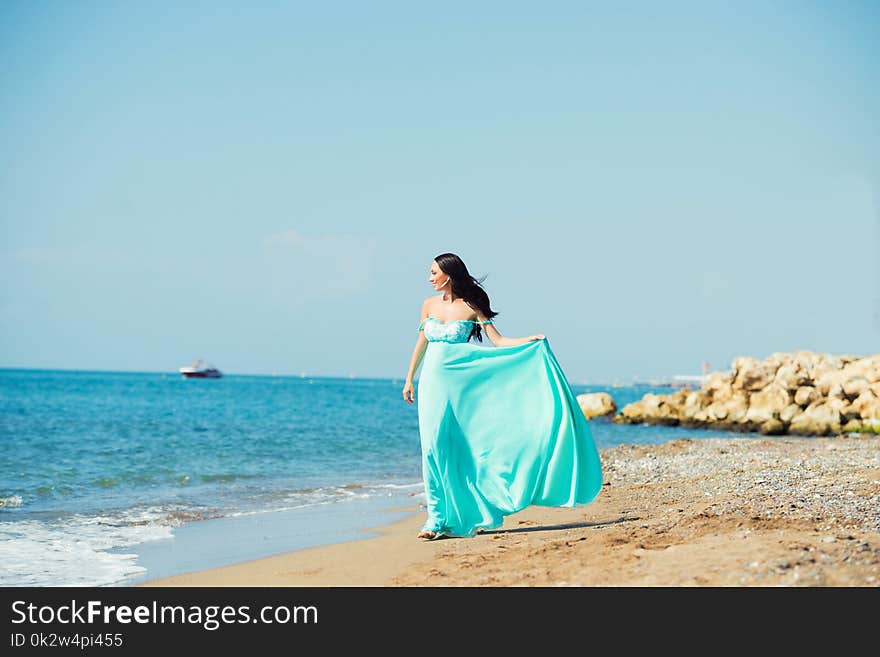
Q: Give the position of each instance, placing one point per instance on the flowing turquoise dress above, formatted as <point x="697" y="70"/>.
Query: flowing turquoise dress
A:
<point x="500" y="430"/>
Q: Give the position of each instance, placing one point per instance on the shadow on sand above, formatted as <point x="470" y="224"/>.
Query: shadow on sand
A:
<point x="548" y="528"/>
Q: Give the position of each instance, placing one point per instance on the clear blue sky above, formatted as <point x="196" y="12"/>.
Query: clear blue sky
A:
<point x="265" y="184"/>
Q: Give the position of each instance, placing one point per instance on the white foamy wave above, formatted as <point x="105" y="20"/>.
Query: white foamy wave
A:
<point x="332" y="495"/>
<point x="418" y="484"/>
<point x="351" y="491"/>
<point x="303" y="499"/>
<point x="72" y="551"/>
<point x="11" y="501"/>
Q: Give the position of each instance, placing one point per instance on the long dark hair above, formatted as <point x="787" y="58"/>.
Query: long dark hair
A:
<point x="467" y="287"/>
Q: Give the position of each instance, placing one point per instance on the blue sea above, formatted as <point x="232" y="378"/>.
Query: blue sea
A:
<point x="96" y="465"/>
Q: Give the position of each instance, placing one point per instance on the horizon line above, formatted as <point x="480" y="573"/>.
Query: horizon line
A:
<point x="633" y="380"/>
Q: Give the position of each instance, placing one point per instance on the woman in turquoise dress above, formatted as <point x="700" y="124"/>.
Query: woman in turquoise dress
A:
<point x="500" y="427"/>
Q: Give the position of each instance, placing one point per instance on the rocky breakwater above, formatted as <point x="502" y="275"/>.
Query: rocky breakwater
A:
<point x="596" y="404"/>
<point x="804" y="393"/>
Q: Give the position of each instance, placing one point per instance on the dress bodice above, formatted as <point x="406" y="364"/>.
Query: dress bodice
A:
<point x="455" y="330"/>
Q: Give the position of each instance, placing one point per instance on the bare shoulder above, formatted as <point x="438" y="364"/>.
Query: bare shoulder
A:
<point x="431" y="301"/>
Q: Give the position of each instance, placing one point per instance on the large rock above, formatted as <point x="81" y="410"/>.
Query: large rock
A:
<point x="867" y="405"/>
<point x="596" y="404"/>
<point x="808" y="360"/>
<point x="772" y="428"/>
<point x="819" y="419"/>
<point x="730" y="410"/>
<point x="852" y="425"/>
<point x="717" y="381"/>
<point x="693" y="402"/>
<point x="671" y="411"/>
<point x="830" y="383"/>
<point x="825" y="364"/>
<point x="662" y="409"/>
<point x="855" y="386"/>
<point x="806" y="395"/>
<point x="767" y="404"/>
<point x="751" y="374"/>
<point x="655" y="409"/>
<point x="872" y="369"/>
<point x="632" y="413"/>
<point x="791" y="376"/>
<point x="869" y="368"/>
<point x="787" y="414"/>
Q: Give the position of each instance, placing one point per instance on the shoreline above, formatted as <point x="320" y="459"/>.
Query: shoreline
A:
<point x="216" y="543"/>
<point x="364" y="561"/>
<point x="688" y="512"/>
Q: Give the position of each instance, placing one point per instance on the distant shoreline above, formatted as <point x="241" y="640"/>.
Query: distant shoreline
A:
<point x="340" y="377"/>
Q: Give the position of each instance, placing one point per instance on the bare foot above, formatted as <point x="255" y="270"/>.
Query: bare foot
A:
<point x="428" y="535"/>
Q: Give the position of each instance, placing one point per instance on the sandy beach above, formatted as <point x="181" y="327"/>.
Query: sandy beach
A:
<point x="704" y="512"/>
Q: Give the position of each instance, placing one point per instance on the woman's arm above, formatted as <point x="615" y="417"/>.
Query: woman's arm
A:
<point x="417" y="355"/>
<point x="416" y="360"/>
<point x="501" y="341"/>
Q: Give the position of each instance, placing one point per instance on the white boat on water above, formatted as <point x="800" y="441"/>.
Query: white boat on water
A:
<point x="200" y="369"/>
